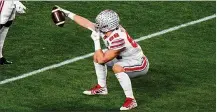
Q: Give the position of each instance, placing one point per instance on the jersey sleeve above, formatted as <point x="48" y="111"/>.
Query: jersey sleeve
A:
<point x="117" y="44"/>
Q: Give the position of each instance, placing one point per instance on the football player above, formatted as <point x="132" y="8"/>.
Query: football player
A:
<point x="8" y="8"/>
<point x="124" y="54"/>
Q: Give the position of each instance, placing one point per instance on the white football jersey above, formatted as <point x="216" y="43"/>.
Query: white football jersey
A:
<point x="120" y="39"/>
<point x="7" y="11"/>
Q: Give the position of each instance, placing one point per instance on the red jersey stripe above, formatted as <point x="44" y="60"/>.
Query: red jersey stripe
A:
<point x="1" y="5"/>
<point x="119" y="45"/>
<point x="118" y="41"/>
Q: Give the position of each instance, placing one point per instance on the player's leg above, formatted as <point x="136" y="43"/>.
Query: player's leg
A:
<point x="7" y="14"/>
<point x="101" y="73"/>
<point x="137" y="69"/>
<point x="143" y="64"/>
<point x="124" y="70"/>
<point x="3" y="33"/>
<point x="2" y="22"/>
<point x="111" y="63"/>
<point x="125" y="83"/>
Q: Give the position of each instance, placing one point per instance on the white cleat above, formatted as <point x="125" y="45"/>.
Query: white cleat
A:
<point x="129" y="103"/>
<point x="97" y="90"/>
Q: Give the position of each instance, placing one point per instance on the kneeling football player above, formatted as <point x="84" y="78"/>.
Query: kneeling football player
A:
<point x="124" y="54"/>
<point x="8" y="8"/>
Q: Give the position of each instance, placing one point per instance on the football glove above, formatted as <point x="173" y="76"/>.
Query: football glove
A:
<point x="66" y="12"/>
<point x="20" y="8"/>
<point x="96" y="39"/>
<point x="95" y="35"/>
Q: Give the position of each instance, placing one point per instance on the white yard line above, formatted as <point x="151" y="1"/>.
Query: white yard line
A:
<point x="91" y="54"/>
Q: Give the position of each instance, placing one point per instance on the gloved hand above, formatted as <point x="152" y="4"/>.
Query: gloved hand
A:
<point x="95" y="35"/>
<point x="66" y="12"/>
<point x="96" y="39"/>
<point x="20" y="8"/>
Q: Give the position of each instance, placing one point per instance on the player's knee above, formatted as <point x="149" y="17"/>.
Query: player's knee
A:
<point x="117" y="68"/>
<point x="94" y="60"/>
<point x="101" y="62"/>
<point x="8" y="24"/>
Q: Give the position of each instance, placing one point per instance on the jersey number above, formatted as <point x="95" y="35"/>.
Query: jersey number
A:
<point x="132" y="42"/>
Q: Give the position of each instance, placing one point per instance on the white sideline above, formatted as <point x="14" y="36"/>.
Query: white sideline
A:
<point x="91" y="54"/>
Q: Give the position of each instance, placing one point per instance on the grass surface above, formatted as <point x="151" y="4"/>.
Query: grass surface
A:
<point x="182" y="63"/>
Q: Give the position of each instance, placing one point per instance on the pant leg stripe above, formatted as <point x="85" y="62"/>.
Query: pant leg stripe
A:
<point x="137" y="68"/>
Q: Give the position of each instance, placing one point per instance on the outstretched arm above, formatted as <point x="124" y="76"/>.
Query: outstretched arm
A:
<point x="78" y="19"/>
<point x="84" y="22"/>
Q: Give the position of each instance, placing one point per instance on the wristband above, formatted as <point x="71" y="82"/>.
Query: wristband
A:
<point x="97" y="45"/>
<point x="71" y="15"/>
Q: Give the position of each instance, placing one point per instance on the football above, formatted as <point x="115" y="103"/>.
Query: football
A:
<point x="58" y="17"/>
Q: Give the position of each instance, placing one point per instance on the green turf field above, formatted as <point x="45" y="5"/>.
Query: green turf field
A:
<point x="182" y="70"/>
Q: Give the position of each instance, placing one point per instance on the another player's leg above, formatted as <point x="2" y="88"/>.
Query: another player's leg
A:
<point x="125" y="83"/>
<point x="100" y="88"/>
<point x="3" y="34"/>
<point x="7" y="14"/>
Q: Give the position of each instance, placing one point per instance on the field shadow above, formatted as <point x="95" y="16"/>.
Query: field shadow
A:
<point x="73" y="106"/>
<point x="156" y="83"/>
